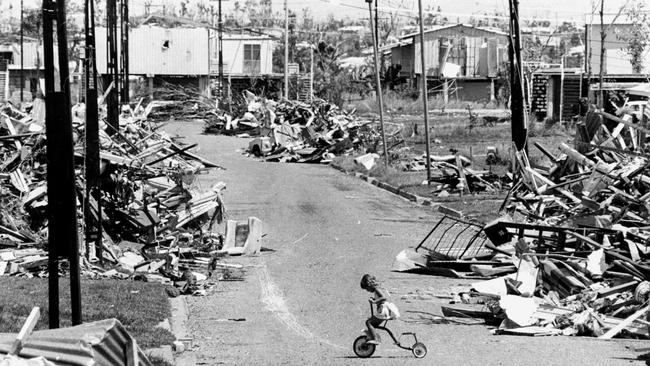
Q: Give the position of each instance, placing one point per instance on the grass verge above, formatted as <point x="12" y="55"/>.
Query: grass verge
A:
<point x="139" y="306"/>
<point x="450" y="134"/>
<point x="398" y="102"/>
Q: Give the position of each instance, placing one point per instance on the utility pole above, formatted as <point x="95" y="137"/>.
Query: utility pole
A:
<point x="603" y="35"/>
<point x="210" y="50"/>
<point x="311" y="73"/>
<point x="380" y="101"/>
<point x="518" y="123"/>
<point x="220" y="41"/>
<point x="286" y="50"/>
<point x="425" y="97"/>
<point x="112" y="107"/>
<point x="561" y="87"/>
<point x="377" y="21"/>
<point x="62" y="210"/>
<point x="93" y="226"/>
<point x="124" y="52"/>
<point x="587" y="63"/>
<point x="53" y="117"/>
<point x="22" y="54"/>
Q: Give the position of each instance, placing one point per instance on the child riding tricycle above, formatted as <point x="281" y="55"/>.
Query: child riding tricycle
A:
<point x="365" y="345"/>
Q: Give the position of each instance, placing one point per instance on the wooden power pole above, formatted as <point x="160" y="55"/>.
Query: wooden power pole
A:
<point x="93" y="227"/>
<point x="22" y="54"/>
<point x="425" y="96"/>
<point x="380" y="102"/>
<point x="62" y="208"/>
<point x="603" y="35"/>
<point x="286" y="50"/>
<point x="518" y="123"/>
<point x="112" y="80"/>
<point x="124" y="52"/>
<point x="220" y="44"/>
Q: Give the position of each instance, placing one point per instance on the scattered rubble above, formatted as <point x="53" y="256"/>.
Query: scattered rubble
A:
<point x="572" y="254"/>
<point x="157" y="226"/>
<point x="293" y="131"/>
<point x="177" y="102"/>
<point x="453" y="173"/>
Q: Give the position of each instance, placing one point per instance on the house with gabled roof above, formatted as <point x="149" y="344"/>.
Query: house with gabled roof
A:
<point x="461" y="60"/>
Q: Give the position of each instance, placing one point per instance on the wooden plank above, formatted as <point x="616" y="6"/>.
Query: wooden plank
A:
<point x="532" y="331"/>
<point x="461" y="174"/>
<point x="609" y="252"/>
<point x="18" y="180"/>
<point x="604" y="292"/>
<point x="614" y="331"/>
<point x="25" y="331"/>
<point x="622" y="121"/>
<point x="12" y="131"/>
<point x="547" y="181"/>
<point x="634" y="251"/>
<point x="576" y="156"/>
<point x="15" y="234"/>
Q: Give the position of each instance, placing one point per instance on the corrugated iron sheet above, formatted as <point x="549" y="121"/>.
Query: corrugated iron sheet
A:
<point x="104" y="342"/>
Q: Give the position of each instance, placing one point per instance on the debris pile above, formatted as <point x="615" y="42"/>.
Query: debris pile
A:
<point x="294" y="131"/>
<point x="156" y="224"/>
<point x="177" y="102"/>
<point x="572" y="254"/>
<point x="453" y="173"/>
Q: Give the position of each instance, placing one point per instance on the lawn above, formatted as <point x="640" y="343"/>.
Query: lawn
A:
<point x="139" y="306"/>
<point x="450" y="133"/>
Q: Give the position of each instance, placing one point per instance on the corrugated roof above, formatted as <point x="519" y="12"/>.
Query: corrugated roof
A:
<point x="608" y="19"/>
<point x="449" y="26"/>
<point x="402" y="42"/>
<point x="98" y="343"/>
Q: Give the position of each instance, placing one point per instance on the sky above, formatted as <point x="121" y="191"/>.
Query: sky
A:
<point x="355" y="9"/>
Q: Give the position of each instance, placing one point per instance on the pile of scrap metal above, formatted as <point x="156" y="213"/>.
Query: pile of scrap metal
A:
<point x="156" y="223"/>
<point x="453" y="174"/>
<point x="572" y="255"/>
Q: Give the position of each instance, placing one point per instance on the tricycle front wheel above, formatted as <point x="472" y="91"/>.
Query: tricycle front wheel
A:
<point x="362" y="348"/>
<point x="419" y="350"/>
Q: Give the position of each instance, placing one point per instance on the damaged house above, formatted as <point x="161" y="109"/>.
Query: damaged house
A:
<point x="462" y="61"/>
<point x="10" y="74"/>
<point x="157" y="55"/>
<point x="188" y="56"/>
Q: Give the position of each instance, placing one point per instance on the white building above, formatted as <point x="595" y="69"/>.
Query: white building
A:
<point x="188" y="56"/>
<point x="617" y="60"/>
<point x="243" y="55"/>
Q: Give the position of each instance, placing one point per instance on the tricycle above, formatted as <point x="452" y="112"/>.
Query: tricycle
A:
<point x="364" y="349"/>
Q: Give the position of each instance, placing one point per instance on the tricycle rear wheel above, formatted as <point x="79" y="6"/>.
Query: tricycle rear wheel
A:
<point x="362" y="348"/>
<point x="419" y="350"/>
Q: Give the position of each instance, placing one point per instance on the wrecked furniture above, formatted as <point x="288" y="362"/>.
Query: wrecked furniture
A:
<point x="243" y="237"/>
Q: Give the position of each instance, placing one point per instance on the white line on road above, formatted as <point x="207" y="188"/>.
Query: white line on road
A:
<point x="272" y="298"/>
<point x="299" y="240"/>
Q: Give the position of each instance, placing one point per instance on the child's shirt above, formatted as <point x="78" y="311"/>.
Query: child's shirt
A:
<point x="385" y="309"/>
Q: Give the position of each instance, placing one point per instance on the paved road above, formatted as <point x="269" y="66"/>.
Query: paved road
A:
<point x="302" y="303"/>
